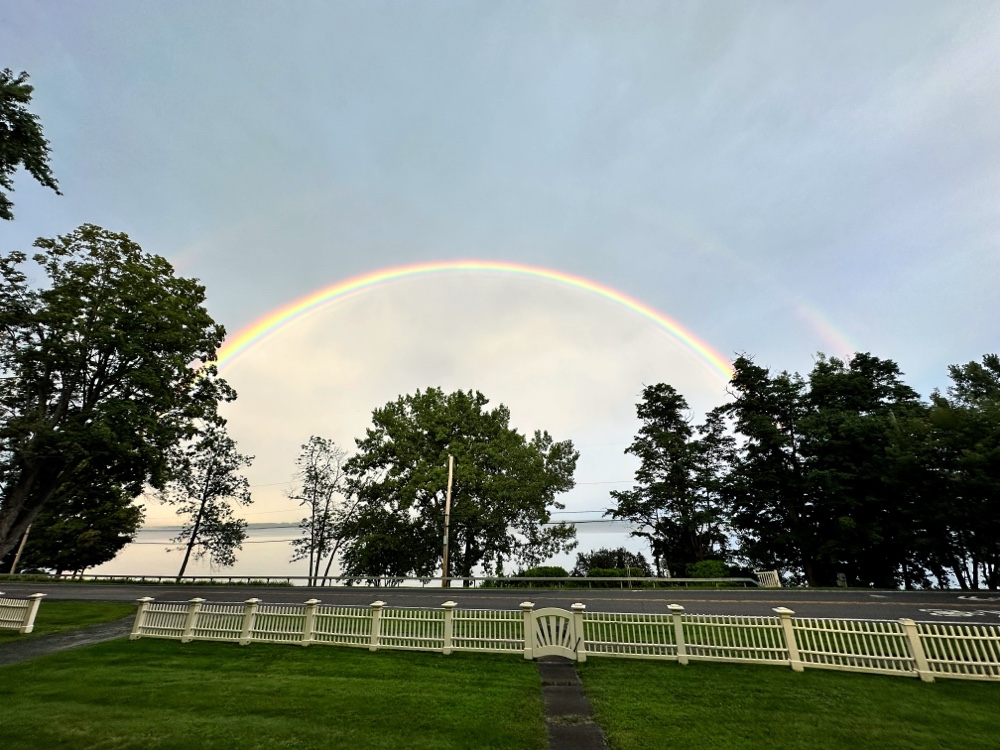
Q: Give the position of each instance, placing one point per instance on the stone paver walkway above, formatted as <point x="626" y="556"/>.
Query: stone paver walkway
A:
<point x="568" y="714"/>
<point x="29" y="648"/>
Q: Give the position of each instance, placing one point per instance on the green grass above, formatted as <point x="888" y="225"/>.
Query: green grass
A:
<point x="162" y="694"/>
<point x="645" y="704"/>
<point x="55" y="617"/>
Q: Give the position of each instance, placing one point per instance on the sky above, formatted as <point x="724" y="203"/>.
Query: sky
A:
<point x="778" y="179"/>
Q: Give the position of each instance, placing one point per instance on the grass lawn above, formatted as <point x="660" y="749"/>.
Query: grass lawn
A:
<point x="54" y="617"/>
<point x="645" y="704"/>
<point x="163" y="694"/>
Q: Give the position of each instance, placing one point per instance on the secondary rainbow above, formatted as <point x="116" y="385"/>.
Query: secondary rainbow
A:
<point x="275" y="320"/>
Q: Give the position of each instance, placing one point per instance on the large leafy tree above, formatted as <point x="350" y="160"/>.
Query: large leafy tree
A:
<point x="676" y="503"/>
<point x="322" y="488"/>
<point x="21" y="140"/>
<point x="961" y="511"/>
<point x="104" y="367"/>
<point x="86" y="528"/>
<point x="505" y="488"/>
<point x="205" y="482"/>
<point x="812" y="489"/>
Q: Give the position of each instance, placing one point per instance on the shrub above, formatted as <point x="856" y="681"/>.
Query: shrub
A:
<point x="707" y="569"/>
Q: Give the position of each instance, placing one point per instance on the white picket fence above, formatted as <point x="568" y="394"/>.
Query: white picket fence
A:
<point x="19" y="613"/>
<point x="895" y="647"/>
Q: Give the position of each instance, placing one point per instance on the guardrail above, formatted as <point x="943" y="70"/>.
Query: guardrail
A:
<point x="892" y="647"/>
<point x="383" y="582"/>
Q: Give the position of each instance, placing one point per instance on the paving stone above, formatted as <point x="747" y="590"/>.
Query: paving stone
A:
<point x="584" y="736"/>
<point x="565" y="700"/>
<point x="558" y="673"/>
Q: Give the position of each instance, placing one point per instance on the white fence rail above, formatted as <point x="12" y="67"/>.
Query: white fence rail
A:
<point x="895" y="647"/>
<point x="19" y="614"/>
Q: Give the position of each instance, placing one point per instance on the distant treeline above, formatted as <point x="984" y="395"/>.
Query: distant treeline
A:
<point x="845" y="471"/>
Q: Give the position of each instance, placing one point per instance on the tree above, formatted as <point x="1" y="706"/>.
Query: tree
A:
<point x="322" y="489"/>
<point x="812" y="488"/>
<point x="21" y="140"/>
<point x="965" y="435"/>
<point x="204" y="479"/>
<point x="102" y="371"/>
<point x="604" y="558"/>
<point x="676" y="502"/>
<point x="81" y="530"/>
<point x="504" y="488"/>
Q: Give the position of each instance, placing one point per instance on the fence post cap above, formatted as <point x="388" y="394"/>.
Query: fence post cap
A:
<point x="907" y="621"/>
<point x="196" y="599"/>
<point x="675" y="607"/>
<point x="578" y="607"/>
<point x="145" y="599"/>
<point x="312" y="602"/>
<point x="783" y="611"/>
<point x="378" y="605"/>
<point x="37" y="596"/>
<point x="527" y="606"/>
<point x="252" y="600"/>
<point x="450" y="605"/>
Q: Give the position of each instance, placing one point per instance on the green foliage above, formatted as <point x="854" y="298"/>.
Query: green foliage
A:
<point x="80" y="531"/>
<point x="105" y="368"/>
<point x="677" y="503"/>
<point x="619" y="558"/>
<point x="505" y="487"/>
<point x="205" y="479"/>
<point x="707" y="569"/>
<point x="321" y="488"/>
<point x="544" y="571"/>
<point x="21" y="140"/>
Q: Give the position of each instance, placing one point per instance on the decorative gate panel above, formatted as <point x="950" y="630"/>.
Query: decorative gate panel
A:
<point x="555" y="633"/>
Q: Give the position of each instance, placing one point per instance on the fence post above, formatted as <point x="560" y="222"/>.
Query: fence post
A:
<point x="140" y="618"/>
<point x="376" y="625"/>
<point x="675" y="611"/>
<point x="448" y="625"/>
<point x="310" y="622"/>
<point x="192" y="616"/>
<point x="30" y="612"/>
<point x="529" y="634"/>
<point x="790" y="644"/>
<point x="581" y="642"/>
<point x="917" y="649"/>
<point x="249" y="620"/>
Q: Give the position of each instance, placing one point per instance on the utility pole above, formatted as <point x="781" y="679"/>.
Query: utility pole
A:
<point x="20" y="549"/>
<point x="447" y="520"/>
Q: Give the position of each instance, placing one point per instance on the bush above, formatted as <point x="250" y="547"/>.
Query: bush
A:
<point x="707" y="569"/>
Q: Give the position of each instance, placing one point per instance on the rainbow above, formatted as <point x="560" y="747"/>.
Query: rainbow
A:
<point x="269" y="324"/>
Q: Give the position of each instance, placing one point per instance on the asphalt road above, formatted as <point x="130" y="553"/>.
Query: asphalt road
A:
<point x="929" y="606"/>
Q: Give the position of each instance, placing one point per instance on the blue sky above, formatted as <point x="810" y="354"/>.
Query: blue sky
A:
<point x="781" y="178"/>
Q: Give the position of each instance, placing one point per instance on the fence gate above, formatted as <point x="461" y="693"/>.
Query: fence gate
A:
<point x="555" y="633"/>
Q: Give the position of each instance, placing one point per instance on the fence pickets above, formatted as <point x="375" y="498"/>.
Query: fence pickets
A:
<point x="895" y="647"/>
<point x="19" y="614"/>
